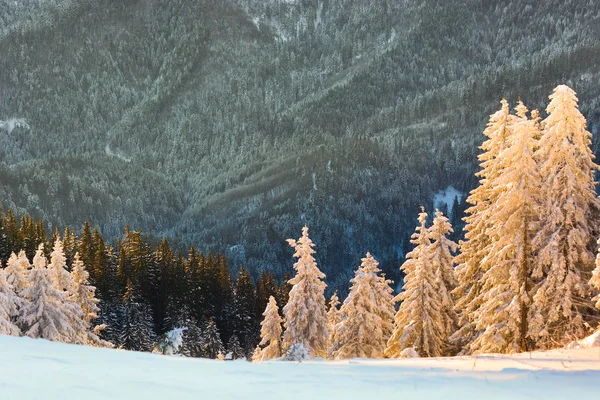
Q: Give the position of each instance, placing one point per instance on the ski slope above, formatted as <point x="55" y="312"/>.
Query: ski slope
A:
<point x="37" y="369"/>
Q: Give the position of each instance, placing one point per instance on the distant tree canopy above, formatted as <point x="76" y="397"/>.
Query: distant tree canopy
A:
<point x="230" y="124"/>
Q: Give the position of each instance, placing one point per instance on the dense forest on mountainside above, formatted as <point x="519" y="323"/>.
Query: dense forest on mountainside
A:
<point x="230" y="124"/>
<point x="143" y="288"/>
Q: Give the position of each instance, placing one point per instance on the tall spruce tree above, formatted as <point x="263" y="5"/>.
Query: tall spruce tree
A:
<point x="246" y="324"/>
<point x="305" y="312"/>
<point x="506" y="285"/>
<point x="442" y="261"/>
<point x="474" y="248"/>
<point x="565" y="240"/>
<point x="367" y="315"/>
<point x="419" y="322"/>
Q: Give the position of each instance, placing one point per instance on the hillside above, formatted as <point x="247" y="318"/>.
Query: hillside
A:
<point x="230" y="124"/>
<point x="30" y="369"/>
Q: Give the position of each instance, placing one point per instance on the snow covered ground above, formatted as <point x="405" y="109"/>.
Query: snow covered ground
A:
<point x="37" y="369"/>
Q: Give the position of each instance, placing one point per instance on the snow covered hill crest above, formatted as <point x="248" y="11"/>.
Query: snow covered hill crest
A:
<point x="34" y="369"/>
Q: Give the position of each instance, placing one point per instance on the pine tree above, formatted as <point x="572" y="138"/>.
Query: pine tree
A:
<point x="8" y="307"/>
<point x="86" y="245"/>
<point x="305" y="312"/>
<point x="569" y="224"/>
<point x="235" y="351"/>
<point x="70" y="245"/>
<point x="17" y="270"/>
<point x="443" y="264"/>
<point x="419" y="323"/>
<point x="246" y="324"/>
<point x="213" y="346"/>
<point x="83" y="292"/>
<point x="367" y="315"/>
<point x="505" y="296"/>
<point x="265" y="288"/>
<point x="193" y="340"/>
<point x="138" y="330"/>
<point x="334" y="317"/>
<point x="224" y="298"/>
<point x="474" y="248"/>
<point x="57" y="267"/>
<point x="49" y="314"/>
<point x="101" y="271"/>
<point x="270" y="333"/>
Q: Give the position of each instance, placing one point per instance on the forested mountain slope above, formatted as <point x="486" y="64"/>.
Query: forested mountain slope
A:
<point x="232" y="123"/>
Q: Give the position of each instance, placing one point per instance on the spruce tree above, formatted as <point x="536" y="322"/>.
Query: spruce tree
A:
<point x="474" y="248"/>
<point x="505" y="290"/>
<point x="334" y="317"/>
<point x="193" y="340"/>
<point x="443" y="264"/>
<point x="8" y="307"/>
<point x="86" y="245"/>
<point x="419" y="322"/>
<point x="138" y="330"/>
<point x="265" y="288"/>
<point x="17" y="270"/>
<point x="367" y="315"/>
<point x="565" y="242"/>
<point x="70" y="245"/>
<point x="305" y="312"/>
<point x="246" y="324"/>
<point x="270" y="333"/>
<point x="48" y="313"/>
<point x="213" y="346"/>
<point x="84" y="293"/>
<point x="235" y="351"/>
<point x="58" y="273"/>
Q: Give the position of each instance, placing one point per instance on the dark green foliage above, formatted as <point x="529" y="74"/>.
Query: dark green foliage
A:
<point x="245" y="321"/>
<point x="138" y="325"/>
<point x="146" y="289"/>
<point x="193" y="341"/>
<point x="213" y="346"/>
<point x="232" y="123"/>
<point x="235" y="350"/>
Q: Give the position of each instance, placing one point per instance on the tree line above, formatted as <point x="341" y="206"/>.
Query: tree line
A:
<point x="525" y="276"/>
<point x="143" y="290"/>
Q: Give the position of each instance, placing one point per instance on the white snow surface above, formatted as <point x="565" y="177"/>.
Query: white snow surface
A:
<point x="591" y="341"/>
<point x="38" y="369"/>
<point x="447" y="196"/>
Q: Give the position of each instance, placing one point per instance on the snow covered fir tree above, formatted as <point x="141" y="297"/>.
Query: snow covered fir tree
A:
<point x="305" y="312"/>
<point x="365" y="316"/>
<point x="524" y="275"/>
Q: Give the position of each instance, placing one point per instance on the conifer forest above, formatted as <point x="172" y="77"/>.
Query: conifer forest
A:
<point x="302" y="180"/>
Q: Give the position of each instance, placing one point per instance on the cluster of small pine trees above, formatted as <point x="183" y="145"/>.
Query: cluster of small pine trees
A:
<point x="525" y="276"/>
<point x="145" y="291"/>
<point x="44" y="300"/>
